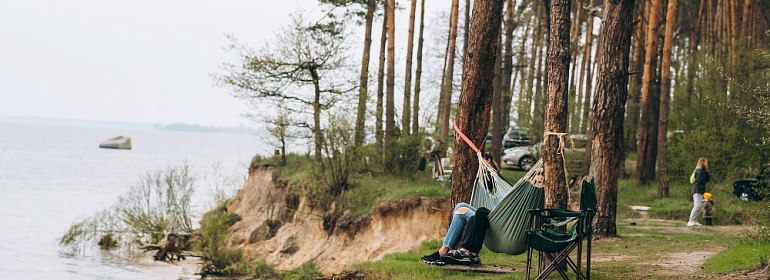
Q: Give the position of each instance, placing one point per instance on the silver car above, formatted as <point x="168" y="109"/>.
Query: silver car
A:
<point x="525" y="157"/>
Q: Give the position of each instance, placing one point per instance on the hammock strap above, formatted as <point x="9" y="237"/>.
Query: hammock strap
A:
<point x="561" y="136"/>
<point x="468" y="141"/>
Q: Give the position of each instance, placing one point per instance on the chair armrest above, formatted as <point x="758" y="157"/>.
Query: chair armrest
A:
<point x="555" y="213"/>
<point x="549" y="216"/>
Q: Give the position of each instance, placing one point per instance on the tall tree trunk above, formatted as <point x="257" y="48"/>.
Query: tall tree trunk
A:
<point x="441" y="99"/>
<point x="406" y="116"/>
<point x="692" y="64"/>
<point x="590" y="73"/>
<point x="520" y="110"/>
<point x="507" y="64"/>
<point x="574" y="93"/>
<point x="364" y="80"/>
<point x="467" y="25"/>
<point x="635" y="82"/>
<point x="538" y="110"/>
<point x="380" y="86"/>
<point x="497" y="104"/>
<point x="390" y="110"/>
<point x="476" y="94"/>
<point x="649" y="120"/>
<point x="585" y="69"/>
<point x="609" y="104"/>
<point x="448" y="77"/>
<point x="537" y="38"/>
<point x="418" y="73"/>
<point x="557" y="111"/>
<point x="735" y="26"/>
<point x="665" y="88"/>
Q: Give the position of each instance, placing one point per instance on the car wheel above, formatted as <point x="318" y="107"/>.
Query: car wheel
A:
<point x="526" y="163"/>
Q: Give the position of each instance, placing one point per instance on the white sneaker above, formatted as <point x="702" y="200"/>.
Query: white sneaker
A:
<point x="689" y="224"/>
<point x="697" y="224"/>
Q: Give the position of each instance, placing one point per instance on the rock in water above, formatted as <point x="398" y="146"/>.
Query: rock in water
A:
<point x="120" y="142"/>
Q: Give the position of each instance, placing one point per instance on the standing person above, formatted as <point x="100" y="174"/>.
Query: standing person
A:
<point x="698" y="188"/>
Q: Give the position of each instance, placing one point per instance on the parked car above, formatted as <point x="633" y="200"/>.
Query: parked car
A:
<point x="518" y="136"/>
<point x="754" y="189"/>
<point x="524" y="157"/>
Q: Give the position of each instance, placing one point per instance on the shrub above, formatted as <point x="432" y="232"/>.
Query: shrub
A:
<point x="405" y="154"/>
<point x="143" y="215"/>
<point x="215" y="231"/>
<point x="307" y="271"/>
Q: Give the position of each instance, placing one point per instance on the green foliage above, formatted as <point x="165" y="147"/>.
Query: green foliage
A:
<point x="259" y="269"/>
<point x="308" y="270"/>
<point x="339" y="152"/>
<point x="723" y="146"/>
<point x="724" y="118"/>
<point x="404" y="154"/>
<point x="143" y="215"/>
<point x="215" y="231"/>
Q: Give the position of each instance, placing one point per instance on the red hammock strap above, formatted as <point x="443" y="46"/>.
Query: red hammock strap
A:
<point x="468" y="141"/>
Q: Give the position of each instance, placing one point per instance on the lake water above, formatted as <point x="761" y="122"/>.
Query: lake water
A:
<point x="51" y="174"/>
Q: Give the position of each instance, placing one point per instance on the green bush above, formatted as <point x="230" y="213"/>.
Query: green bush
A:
<point x="405" y="154"/>
<point x="215" y="231"/>
<point x="159" y="200"/>
<point x="307" y="271"/>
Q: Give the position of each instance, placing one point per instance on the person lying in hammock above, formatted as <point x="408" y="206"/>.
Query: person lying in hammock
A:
<point x="490" y="185"/>
<point x="475" y="221"/>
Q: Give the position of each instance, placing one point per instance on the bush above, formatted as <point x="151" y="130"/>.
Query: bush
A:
<point x="143" y="215"/>
<point x="405" y="154"/>
<point x="215" y="231"/>
<point x="306" y="271"/>
<point x="724" y="147"/>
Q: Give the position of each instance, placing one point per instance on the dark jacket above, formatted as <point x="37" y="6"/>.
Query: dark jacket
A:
<point x="701" y="177"/>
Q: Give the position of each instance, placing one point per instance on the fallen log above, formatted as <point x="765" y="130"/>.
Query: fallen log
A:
<point x="167" y="248"/>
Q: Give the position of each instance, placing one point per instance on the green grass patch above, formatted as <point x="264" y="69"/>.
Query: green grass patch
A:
<point x="368" y="189"/>
<point x="740" y="257"/>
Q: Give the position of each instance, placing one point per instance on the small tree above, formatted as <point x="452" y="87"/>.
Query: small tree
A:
<point x="303" y="55"/>
<point x="281" y="129"/>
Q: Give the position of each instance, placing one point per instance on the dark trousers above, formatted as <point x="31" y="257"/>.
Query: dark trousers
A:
<point x="707" y="221"/>
<point x="475" y="230"/>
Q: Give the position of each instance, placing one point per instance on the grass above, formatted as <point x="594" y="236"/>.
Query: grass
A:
<point x="368" y="190"/>
<point x="637" y="254"/>
<point x="639" y="250"/>
<point x="645" y="239"/>
<point x="728" y="209"/>
<point x="738" y="258"/>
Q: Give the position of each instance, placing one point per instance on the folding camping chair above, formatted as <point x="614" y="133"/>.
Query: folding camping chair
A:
<point x="557" y="246"/>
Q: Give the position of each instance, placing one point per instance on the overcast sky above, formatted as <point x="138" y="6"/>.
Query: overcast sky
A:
<point x="137" y="61"/>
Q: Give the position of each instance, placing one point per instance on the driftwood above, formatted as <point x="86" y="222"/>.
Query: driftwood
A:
<point x="167" y="248"/>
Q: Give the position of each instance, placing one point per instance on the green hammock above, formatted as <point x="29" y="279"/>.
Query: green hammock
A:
<point x="508" y="219"/>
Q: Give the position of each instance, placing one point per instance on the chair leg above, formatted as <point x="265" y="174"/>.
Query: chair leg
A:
<point x="529" y="261"/>
<point x="554" y="265"/>
<point x="588" y="258"/>
<point x="579" y="256"/>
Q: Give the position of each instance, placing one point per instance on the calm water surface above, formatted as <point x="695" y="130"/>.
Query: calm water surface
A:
<point x="52" y="174"/>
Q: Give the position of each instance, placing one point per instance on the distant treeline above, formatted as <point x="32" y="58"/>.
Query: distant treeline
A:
<point x="242" y="129"/>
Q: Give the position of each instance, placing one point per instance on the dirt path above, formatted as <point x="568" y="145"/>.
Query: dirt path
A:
<point x="672" y="257"/>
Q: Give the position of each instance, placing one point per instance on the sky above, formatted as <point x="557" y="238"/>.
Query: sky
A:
<point x="142" y="60"/>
